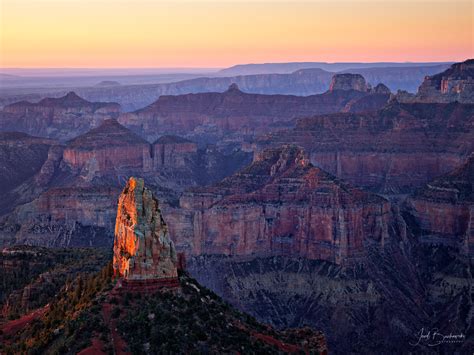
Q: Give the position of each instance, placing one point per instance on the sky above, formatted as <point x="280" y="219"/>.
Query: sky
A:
<point x="211" y="34"/>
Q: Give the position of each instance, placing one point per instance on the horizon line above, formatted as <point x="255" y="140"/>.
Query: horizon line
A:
<point x="224" y="67"/>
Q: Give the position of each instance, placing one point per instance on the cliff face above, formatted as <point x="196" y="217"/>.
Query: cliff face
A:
<point x="380" y="307"/>
<point x="173" y="151"/>
<point x="60" y="118"/>
<point x="348" y="81"/>
<point x="391" y="151"/>
<point x="444" y="208"/>
<point x="280" y="205"/>
<point x="71" y="216"/>
<point x="454" y="84"/>
<point x="56" y="195"/>
<point x="109" y="147"/>
<point x="143" y="249"/>
<point x="215" y="115"/>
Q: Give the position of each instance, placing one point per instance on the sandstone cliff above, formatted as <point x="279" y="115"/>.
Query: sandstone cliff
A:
<point x="444" y="209"/>
<point x="454" y="84"/>
<point x="348" y="82"/>
<point x="143" y="249"/>
<point x="393" y="150"/>
<point x="211" y="116"/>
<point x="280" y="205"/>
<point x="60" y="118"/>
<point x="109" y="147"/>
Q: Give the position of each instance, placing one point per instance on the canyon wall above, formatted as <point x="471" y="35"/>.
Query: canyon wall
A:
<point x="59" y="118"/>
<point x="280" y="205"/>
<point x="444" y="209"/>
<point x="390" y="151"/>
<point x="207" y="116"/>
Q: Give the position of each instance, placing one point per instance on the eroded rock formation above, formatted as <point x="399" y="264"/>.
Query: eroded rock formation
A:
<point x="348" y="82"/>
<point x="444" y="209"/>
<point x="143" y="249"/>
<point x="109" y="147"/>
<point x="60" y="118"/>
<point x="453" y="84"/>
<point x="281" y="205"/>
<point x="391" y="151"/>
<point x="209" y="116"/>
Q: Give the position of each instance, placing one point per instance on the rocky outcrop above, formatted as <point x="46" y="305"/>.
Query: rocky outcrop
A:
<point x="109" y="147"/>
<point x="143" y="249"/>
<point x="298" y="81"/>
<point x="454" y="84"/>
<point x="207" y="117"/>
<point x="391" y="151"/>
<point x="280" y="205"/>
<point x="407" y="78"/>
<point x="444" y="209"/>
<point x="381" y="89"/>
<point x="72" y="216"/>
<point x="65" y="196"/>
<point x="348" y="82"/>
<point x="173" y="151"/>
<point x="60" y="118"/>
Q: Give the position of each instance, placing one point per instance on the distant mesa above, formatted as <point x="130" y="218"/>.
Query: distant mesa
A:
<point x="109" y="133"/>
<point x="233" y="88"/>
<point x="60" y="118"/>
<point x="172" y="139"/>
<point x="108" y="83"/>
<point x="143" y="249"/>
<point x="348" y="82"/>
<point x="70" y="99"/>
<point x="454" y="84"/>
<point x="381" y="89"/>
<point x="201" y="115"/>
<point x="106" y="149"/>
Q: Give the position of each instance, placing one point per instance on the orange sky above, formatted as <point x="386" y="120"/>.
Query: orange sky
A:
<point x="186" y="33"/>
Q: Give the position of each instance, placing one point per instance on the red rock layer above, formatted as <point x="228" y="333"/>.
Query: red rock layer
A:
<point x="393" y="150"/>
<point x="143" y="249"/>
<point x="231" y="111"/>
<point x="280" y="205"/>
<point x="444" y="208"/>
<point x="57" y="216"/>
<point x="61" y="118"/>
<point x="108" y="147"/>
<point x="454" y="84"/>
<point x="348" y="82"/>
<point x="173" y="151"/>
<point x="111" y="147"/>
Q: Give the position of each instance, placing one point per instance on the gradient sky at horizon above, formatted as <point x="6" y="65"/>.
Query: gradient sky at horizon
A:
<point x="196" y="33"/>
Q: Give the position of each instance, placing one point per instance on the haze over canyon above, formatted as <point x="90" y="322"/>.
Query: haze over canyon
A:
<point x="262" y="208"/>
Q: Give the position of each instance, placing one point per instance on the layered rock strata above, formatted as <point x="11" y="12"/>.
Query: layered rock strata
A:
<point x="444" y="209"/>
<point x="143" y="249"/>
<point x="454" y="84"/>
<point x="392" y="151"/>
<point x="211" y="116"/>
<point x="280" y="205"/>
<point x="60" y="118"/>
